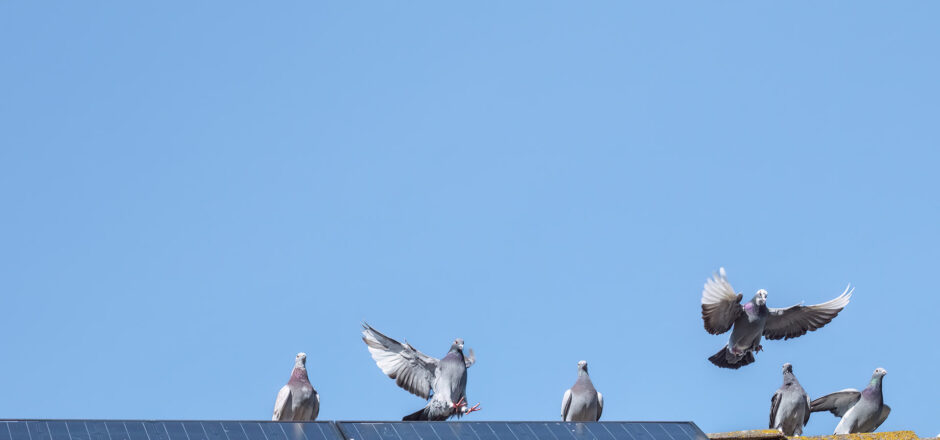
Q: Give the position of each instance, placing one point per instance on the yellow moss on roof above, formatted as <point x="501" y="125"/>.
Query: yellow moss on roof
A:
<point x="773" y="434"/>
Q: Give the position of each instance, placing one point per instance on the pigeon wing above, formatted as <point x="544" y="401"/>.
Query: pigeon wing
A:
<point x="316" y="407"/>
<point x="282" y="404"/>
<point x="885" y="410"/>
<point x="720" y="305"/>
<point x="600" y="404"/>
<point x="411" y="369"/>
<point x="837" y="403"/>
<point x="774" y="406"/>
<point x="795" y="321"/>
<point x="808" y="411"/>
<point x="565" y="404"/>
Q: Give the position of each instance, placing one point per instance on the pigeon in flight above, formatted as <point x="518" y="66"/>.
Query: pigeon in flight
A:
<point x="442" y="381"/>
<point x="789" y="407"/>
<point x="861" y="411"/>
<point x="582" y="403"/>
<point x="722" y="309"/>
<point x="297" y="401"/>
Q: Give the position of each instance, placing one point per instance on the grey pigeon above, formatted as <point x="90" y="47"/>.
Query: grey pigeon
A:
<point x="442" y="381"/>
<point x="861" y="411"/>
<point x="297" y="401"/>
<point x="789" y="407"/>
<point x="582" y="403"/>
<point x="722" y="309"/>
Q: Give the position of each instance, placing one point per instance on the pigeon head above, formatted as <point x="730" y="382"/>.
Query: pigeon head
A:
<point x="457" y="345"/>
<point x="761" y="297"/>
<point x="788" y="368"/>
<point x="582" y="367"/>
<point x="300" y="360"/>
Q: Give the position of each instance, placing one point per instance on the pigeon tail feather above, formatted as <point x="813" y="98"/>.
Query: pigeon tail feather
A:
<point x="417" y="416"/>
<point x="721" y="359"/>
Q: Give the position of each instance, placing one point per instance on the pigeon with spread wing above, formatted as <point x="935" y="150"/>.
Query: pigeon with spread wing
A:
<point x="749" y="322"/>
<point x="442" y="381"/>
<point x="860" y="411"/>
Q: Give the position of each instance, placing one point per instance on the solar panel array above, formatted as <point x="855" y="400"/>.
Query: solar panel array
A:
<point x="521" y="431"/>
<point x="165" y="430"/>
<point x="235" y="430"/>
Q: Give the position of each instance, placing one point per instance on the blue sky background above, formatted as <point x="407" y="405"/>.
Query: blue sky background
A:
<point x="194" y="192"/>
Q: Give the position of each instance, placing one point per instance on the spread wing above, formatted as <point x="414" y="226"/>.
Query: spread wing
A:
<point x="720" y="305"/>
<point x="795" y="321"/>
<point x="282" y="404"/>
<point x="600" y="404"/>
<point x="837" y="403"/>
<point x="774" y="406"/>
<point x="565" y="404"/>
<point x="411" y="369"/>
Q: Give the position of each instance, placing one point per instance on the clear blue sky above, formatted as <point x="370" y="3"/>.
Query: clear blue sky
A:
<point x="193" y="192"/>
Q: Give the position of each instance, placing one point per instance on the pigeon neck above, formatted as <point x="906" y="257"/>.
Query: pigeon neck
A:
<point x="789" y="378"/>
<point x="299" y="374"/>
<point x="873" y="390"/>
<point x="752" y="309"/>
<point x="875" y="384"/>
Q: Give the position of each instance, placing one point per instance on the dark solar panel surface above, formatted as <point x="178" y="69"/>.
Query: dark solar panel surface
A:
<point x="520" y="431"/>
<point x="165" y="430"/>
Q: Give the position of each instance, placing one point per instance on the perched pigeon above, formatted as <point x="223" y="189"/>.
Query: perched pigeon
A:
<point x="789" y="407"/>
<point x="442" y="381"/>
<point x="582" y="403"/>
<point x="861" y="411"/>
<point x="297" y="401"/>
<point x="722" y="309"/>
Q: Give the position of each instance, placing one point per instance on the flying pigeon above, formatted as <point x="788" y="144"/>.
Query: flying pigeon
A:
<point x="861" y="411"/>
<point x="789" y="407"/>
<point x="442" y="381"/>
<point x="722" y="309"/>
<point x="582" y="403"/>
<point x="297" y="401"/>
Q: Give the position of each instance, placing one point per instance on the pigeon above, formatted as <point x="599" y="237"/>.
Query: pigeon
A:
<point x="722" y="309"/>
<point x="789" y="407"/>
<point x="442" y="381"/>
<point x="861" y="411"/>
<point x="297" y="401"/>
<point x="582" y="403"/>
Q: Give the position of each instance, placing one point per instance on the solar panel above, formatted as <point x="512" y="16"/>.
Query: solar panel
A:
<point x="520" y="431"/>
<point x="165" y="430"/>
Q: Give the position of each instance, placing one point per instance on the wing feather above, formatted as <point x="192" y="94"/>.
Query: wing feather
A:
<point x="720" y="305"/>
<point x="774" y="406"/>
<point x="837" y="403"/>
<point x="600" y="405"/>
<point x="282" y="404"/>
<point x="795" y="321"/>
<point x="565" y="404"/>
<point x="411" y="369"/>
